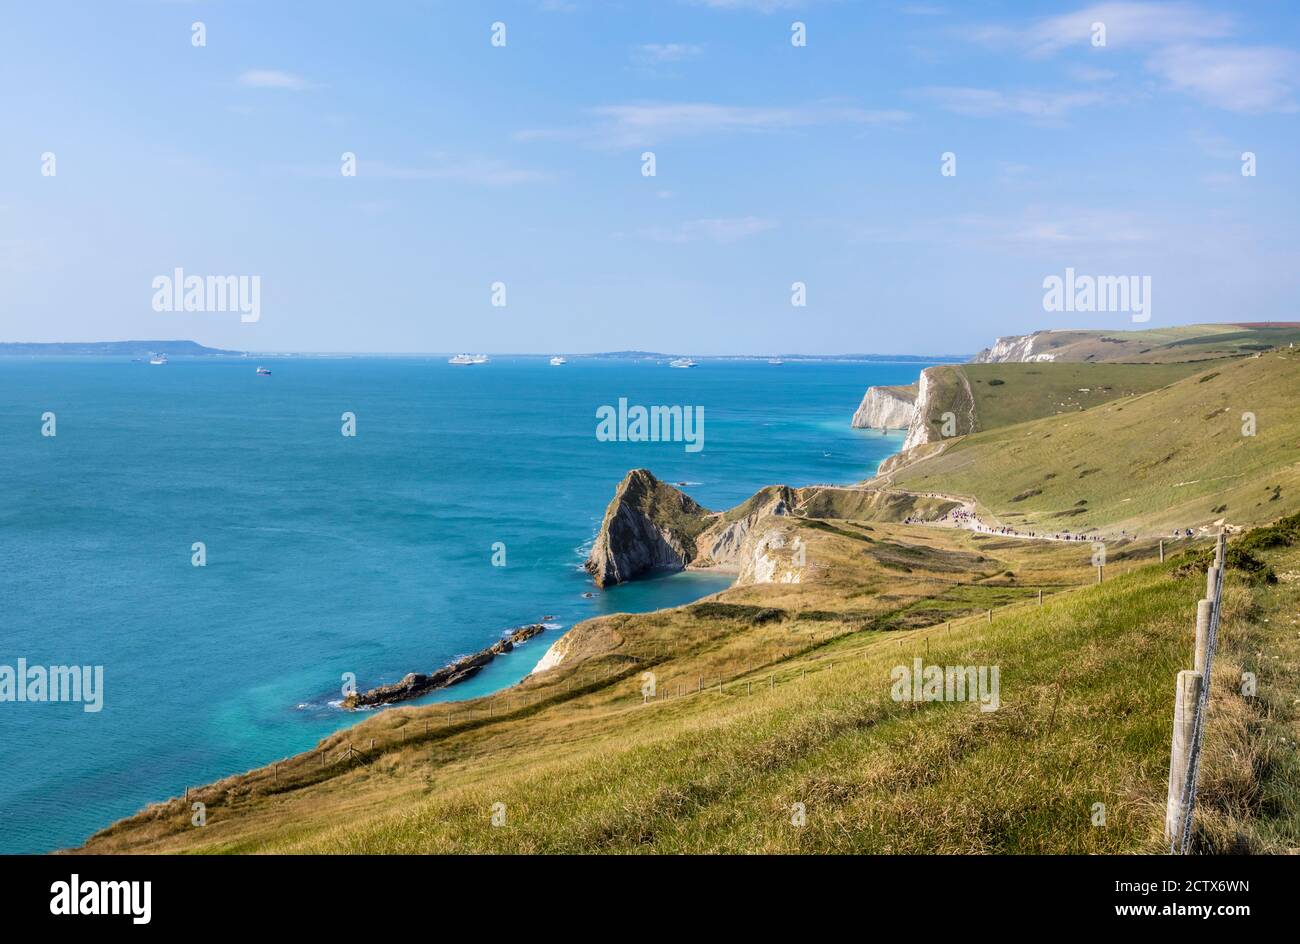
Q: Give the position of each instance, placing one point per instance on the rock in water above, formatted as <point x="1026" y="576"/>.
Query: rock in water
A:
<point x="415" y="684"/>
<point x="648" y="526"/>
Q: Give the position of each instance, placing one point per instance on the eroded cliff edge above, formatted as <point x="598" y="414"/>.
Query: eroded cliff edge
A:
<point x="886" y="408"/>
<point x="652" y="526"/>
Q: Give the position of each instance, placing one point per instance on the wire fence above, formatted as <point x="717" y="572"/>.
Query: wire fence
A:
<point x="1191" y="707"/>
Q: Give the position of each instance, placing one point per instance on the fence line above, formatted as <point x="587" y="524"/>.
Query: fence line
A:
<point x="1191" y="705"/>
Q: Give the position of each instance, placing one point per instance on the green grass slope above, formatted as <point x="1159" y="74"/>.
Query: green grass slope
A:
<point x="1173" y="457"/>
<point x="1006" y="394"/>
<point x="1085" y="687"/>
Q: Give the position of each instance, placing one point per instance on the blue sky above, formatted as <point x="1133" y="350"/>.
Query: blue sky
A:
<point x="522" y="164"/>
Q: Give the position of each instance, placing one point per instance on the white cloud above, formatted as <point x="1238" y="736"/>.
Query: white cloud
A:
<point x="1030" y="229"/>
<point x="660" y="53"/>
<point x="487" y="172"/>
<point x="1180" y="44"/>
<point x="762" y="6"/>
<point x="1238" y="78"/>
<point x="985" y="103"/>
<point x="1092" y="74"/>
<point x="1127" y="25"/>
<point x="718" y="230"/>
<point x="1035" y="227"/>
<point x="635" y="125"/>
<point x="272" y="79"/>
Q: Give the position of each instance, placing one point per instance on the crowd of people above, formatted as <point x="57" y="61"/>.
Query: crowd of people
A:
<point x="964" y="517"/>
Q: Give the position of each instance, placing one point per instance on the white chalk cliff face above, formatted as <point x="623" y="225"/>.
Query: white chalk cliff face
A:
<point x="775" y="555"/>
<point x="554" y="655"/>
<point x="886" y="408"/>
<point x="1016" y="349"/>
<point x="919" y="432"/>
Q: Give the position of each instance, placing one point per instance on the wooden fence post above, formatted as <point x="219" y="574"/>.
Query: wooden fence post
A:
<point x="1040" y="597"/>
<point x="1162" y="550"/>
<point x="1211" y="582"/>
<point x="1204" y="610"/>
<point x="1187" y="697"/>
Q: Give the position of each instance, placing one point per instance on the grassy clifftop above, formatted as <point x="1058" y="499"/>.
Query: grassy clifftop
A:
<point x="805" y="719"/>
<point x="1173" y="457"/>
<point x="1151" y="345"/>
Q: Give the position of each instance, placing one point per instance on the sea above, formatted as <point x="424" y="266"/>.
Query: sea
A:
<point x="462" y="507"/>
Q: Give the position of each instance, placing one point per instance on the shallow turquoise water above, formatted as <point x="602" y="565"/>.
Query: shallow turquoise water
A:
<point x="329" y="554"/>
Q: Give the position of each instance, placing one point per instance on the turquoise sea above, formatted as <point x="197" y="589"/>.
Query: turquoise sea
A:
<point x="328" y="554"/>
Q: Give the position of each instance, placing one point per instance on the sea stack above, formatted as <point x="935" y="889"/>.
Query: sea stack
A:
<point x="648" y="526"/>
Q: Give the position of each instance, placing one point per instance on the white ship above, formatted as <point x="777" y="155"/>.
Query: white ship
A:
<point x="558" y="361"/>
<point x="158" y="359"/>
<point x="462" y="359"/>
<point x="681" y="362"/>
<point x="776" y="360"/>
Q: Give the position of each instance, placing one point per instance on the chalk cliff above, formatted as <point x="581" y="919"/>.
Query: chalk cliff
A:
<point x="886" y="408"/>
<point x="723" y="543"/>
<point x="919" y="431"/>
<point x="1017" y="348"/>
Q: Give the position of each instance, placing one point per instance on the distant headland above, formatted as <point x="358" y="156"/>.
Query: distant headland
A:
<point x="115" y="348"/>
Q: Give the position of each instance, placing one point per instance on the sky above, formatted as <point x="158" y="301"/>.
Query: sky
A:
<point x="522" y="165"/>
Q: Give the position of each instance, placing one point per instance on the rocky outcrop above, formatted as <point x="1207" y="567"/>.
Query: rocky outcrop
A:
<point x="886" y="408"/>
<point x="723" y="543"/>
<point x="648" y="526"/>
<point x="556" y="654"/>
<point x="774" y="555"/>
<point x="415" y="684"/>
<point x="1017" y="349"/>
